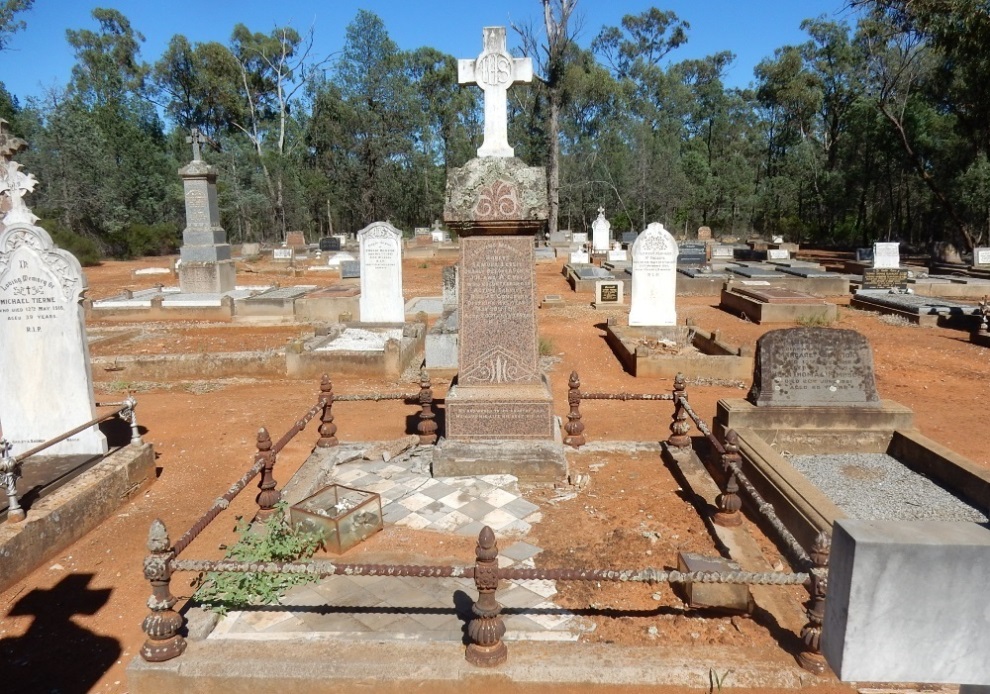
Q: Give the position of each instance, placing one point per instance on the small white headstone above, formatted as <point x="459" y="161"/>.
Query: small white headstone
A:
<point x="579" y="237"/>
<point x="580" y="257"/>
<point x="381" y="274"/>
<point x="620" y="256"/>
<point x="47" y="386"/>
<point x="886" y="255"/>
<point x="601" y="230"/>
<point x="981" y="256"/>
<point x="778" y="254"/>
<point x="282" y="254"/>
<point x="654" y="278"/>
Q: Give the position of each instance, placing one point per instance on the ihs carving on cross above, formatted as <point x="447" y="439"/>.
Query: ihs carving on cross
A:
<point x="495" y="70"/>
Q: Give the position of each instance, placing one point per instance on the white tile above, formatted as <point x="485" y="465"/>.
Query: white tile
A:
<point x="498" y="519"/>
<point x="451" y="522"/>
<point x="499" y="497"/>
<point x="414" y="521"/>
<point x="543" y="587"/>
<point x="455" y="499"/>
<point x="416" y="501"/>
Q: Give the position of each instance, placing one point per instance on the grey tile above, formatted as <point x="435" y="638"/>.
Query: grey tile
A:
<point x="521" y="623"/>
<point x="394" y="512"/>
<point x="471" y="529"/>
<point x="448" y="623"/>
<point x="518" y="598"/>
<point x="477" y="509"/>
<point x="438" y="491"/>
<point x="333" y="621"/>
<point x="520" y="508"/>
<point x="377" y="621"/>
<point x="520" y="550"/>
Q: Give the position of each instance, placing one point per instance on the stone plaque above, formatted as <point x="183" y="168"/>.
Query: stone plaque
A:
<point x="886" y="255"/>
<point x="813" y="367"/>
<point x="608" y="292"/>
<point x="330" y="243"/>
<point x="350" y="269"/>
<point x="517" y="420"/>
<point x="885" y="278"/>
<point x="381" y="274"/>
<point x="654" y="278"/>
<point x="629" y="237"/>
<point x="981" y="256"/>
<point x="864" y="255"/>
<point x="580" y="237"/>
<point x="47" y="387"/>
<point x="282" y="254"/>
<point x="498" y="311"/>
<point x="778" y="254"/>
<point x="722" y="252"/>
<point x="579" y="257"/>
<point x="692" y="255"/>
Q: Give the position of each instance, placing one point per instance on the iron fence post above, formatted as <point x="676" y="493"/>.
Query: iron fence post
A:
<point x="328" y="430"/>
<point x="10" y="470"/>
<point x="679" y="426"/>
<point x="163" y="623"/>
<point x="487" y="628"/>
<point x="574" y="427"/>
<point x="269" y="495"/>
<point x="427" y="427"/>
<point x="811" y="658"/>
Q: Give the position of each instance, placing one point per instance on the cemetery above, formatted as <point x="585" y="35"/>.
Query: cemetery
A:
<point x="429" y="464"/>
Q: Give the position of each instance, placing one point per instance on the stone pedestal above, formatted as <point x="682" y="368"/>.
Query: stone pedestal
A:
<point x="499" y="413"/>
<point x="205" y="262"/>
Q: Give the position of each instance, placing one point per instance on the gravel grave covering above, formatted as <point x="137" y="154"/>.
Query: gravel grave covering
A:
<point x="876" y="486"/>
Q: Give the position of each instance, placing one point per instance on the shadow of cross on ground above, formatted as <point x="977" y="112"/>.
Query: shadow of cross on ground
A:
<point x="55" y="654"/>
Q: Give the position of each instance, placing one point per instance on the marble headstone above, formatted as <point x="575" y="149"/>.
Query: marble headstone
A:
<point x="813" y="367"/>
<point x="579" y="257"/>
<point x="601" y="230"/>
<point x="47" y="386"/>
<point x="981" y="256"/>
<point x="886" y="255"/>
<point x="381" y="274"/>
<point x="654" y="278"/>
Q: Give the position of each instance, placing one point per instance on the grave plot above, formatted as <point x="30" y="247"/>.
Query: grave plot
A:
<point x="687" y="349"/>
<point x="925" y="311"/>
<point x="770" y="304"/>
<point x="516" y="601"/>
<point x="820" y="444"/>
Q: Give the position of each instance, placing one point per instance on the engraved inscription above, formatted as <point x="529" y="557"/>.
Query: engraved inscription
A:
<point x="884" y="278"/>
<point x="491" y="420"/>
<point x="610" y="293"/>
<point x="498" y="312"/>
<point x="197" y="213"/>
<point x="813" y="367"/>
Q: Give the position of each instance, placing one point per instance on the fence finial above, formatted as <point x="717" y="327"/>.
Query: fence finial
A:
<point x="574" y="427"/>
<point x="487" y="628"/>
<point x="163" y="623"/>
<point x="811" y="658"/>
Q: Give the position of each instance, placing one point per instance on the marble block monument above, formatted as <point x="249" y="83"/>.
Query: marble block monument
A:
<point x="205" y="265"/>
<point x="46" y="388"/>
<point x="601" y="233"/>
<point x="654" y="278"/>
<point x="499" y="411"/>
<point x="907" y="602"/>
<point x="381" y="274"/>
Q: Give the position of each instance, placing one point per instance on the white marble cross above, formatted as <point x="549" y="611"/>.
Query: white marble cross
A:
<point x="495" y="70"/>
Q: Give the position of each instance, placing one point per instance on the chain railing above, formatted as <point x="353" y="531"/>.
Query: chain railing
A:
<point x="10" y="466"/>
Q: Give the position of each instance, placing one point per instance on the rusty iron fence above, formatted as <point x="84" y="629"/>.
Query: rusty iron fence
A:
<point x="486" y="628"/>
<point x="10" y="465"/>
<point x="732" y="480"/>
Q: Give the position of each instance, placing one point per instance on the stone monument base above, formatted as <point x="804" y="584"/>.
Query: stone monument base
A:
<point x="530" y="461"/>
<point x="210" y="277"/>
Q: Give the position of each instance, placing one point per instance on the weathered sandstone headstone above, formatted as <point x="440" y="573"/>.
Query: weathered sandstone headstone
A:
<point x="801" y="367"/>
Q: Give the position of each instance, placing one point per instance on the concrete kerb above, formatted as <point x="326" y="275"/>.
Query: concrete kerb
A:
<point x="331" y="665"/>
<point x="56" y="521"/>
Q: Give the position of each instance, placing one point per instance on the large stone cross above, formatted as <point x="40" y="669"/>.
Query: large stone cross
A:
<point x="196" y="139"/>
<point x="495" y="70"/>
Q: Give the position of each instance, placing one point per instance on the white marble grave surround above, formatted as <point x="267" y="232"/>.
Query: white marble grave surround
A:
<point x="46" y="386"/>
<point x="495" y="70"/>
<point x="981" y="256"/>
<point x="381" y="274"/>
<point x="601" y="232"/>
<point x="361" y="340"/>
<point x="907" y="602"/>
<point x="654" y="278"/>
<point x="886" y="255"/>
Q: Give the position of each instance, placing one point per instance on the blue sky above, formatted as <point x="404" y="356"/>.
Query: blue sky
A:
<point x="40" y="58"/>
